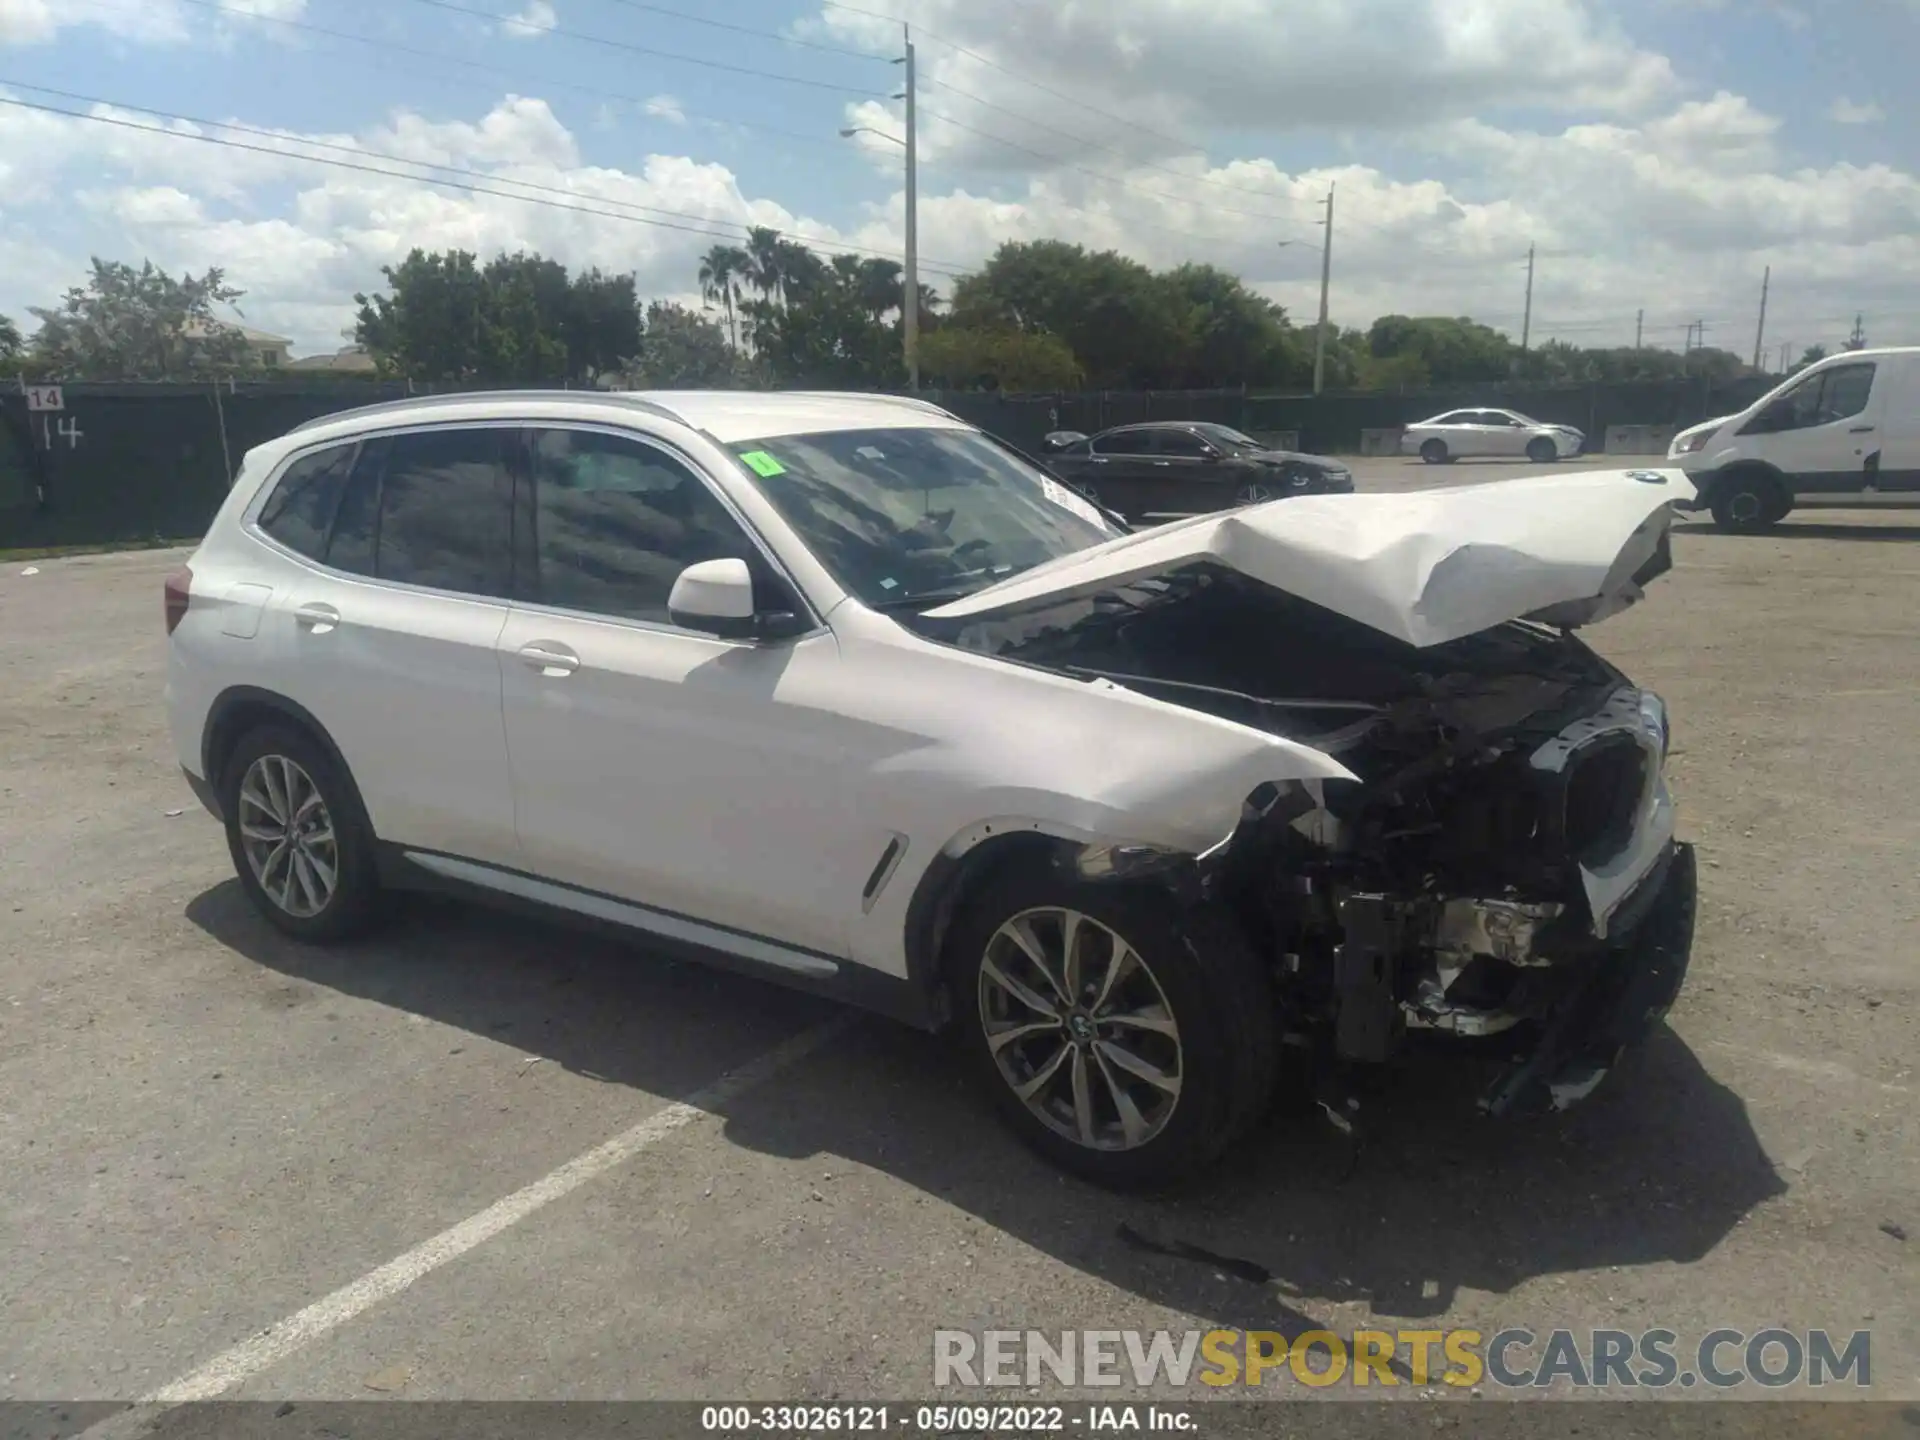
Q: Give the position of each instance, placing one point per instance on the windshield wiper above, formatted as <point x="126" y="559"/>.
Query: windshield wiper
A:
<point x="926" y="599"/>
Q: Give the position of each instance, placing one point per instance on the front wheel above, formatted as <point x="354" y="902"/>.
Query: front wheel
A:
<point x="1542" y="451"/>
<point x="1125" y="1038"/>
<point x="1748" y="503"/>
<point x="1434" y="452"/>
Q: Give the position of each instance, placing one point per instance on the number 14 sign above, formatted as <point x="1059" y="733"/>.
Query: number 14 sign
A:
<point x="45" y="397"/>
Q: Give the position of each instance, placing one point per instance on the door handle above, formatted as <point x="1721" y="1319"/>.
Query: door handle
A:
<point x="1162" y="464"/>
<point x="550" y="659"/>
<point x="1861" y="430"/>
<point x="316" y="617"/>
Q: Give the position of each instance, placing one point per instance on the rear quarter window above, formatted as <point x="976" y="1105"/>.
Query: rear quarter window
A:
<point x="300" y="511"/>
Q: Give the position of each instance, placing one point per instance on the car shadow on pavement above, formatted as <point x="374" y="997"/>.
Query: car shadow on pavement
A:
<point x="1658" y="1167"/>
<point x="1815" y="530"/>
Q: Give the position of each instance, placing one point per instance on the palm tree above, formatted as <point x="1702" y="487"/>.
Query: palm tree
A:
<point x="764" y="256"/>
<point x="720" y="272"/>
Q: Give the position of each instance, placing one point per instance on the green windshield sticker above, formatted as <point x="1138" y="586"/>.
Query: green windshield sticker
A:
<point x="763" y="464"/>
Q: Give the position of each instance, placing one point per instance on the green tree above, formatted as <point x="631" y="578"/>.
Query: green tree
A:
<point x="1237" y="337"/>
<point x="1012" y="360"/>
<point x="682" y="350"/>
<point x="722" y="270"/>
<point x="1453" y="350"/>
<point x="520" y="317"/>
<point x="1125" y="325"/>
<point x="128" y="324"/>
<point x="10" y="342"/>
<point x="1812" y="355"/>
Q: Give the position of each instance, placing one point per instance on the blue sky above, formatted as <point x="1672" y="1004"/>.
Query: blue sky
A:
<point x="1659" y="155"/>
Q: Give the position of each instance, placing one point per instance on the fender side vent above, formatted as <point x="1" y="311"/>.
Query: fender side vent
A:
<point x="882" y="872"/>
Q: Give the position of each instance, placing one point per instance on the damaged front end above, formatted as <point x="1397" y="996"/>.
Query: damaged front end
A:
<point x="1505" y="867"/>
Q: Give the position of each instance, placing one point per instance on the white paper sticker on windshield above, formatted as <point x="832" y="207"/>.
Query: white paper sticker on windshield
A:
<point x="1067" y="500"/>
<point x="870" y="452"/>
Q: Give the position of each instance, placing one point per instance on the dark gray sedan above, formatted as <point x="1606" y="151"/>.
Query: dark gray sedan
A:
<point x="1166" y="469"/>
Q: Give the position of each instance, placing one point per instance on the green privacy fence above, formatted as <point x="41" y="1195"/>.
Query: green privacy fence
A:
<point x="128" y="463"/>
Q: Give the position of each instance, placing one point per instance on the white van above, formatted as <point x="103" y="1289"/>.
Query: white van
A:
<point x="1849" y="425"/>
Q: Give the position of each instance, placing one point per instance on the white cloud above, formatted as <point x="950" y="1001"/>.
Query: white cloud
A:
<point x="26" y="22"/>
<point x="1850" y="112"/>
<point x="1163" y="69"/>
<point x="534" y="19"/>
<point x="665" y="107"/>
<point x="1675" y="214"/>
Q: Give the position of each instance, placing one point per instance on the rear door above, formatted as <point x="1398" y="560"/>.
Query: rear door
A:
<point x="1898" y="419"/>
<point x="388" y="636"/>
<point x="1121" y="473"/>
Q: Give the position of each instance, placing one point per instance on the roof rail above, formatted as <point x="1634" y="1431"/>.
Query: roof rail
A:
<point x="913" y="401"/>
<point x="436" y="402"/>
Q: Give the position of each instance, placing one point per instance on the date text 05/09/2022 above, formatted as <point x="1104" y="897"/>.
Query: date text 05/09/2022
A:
<point x="945" y="1419"/>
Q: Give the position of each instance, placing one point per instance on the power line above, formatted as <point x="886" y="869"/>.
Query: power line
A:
<point x="733" y="231"/>
<point x="517" y="77"/>
<point x="631" y="48"/>
<point x="745" y="30"/>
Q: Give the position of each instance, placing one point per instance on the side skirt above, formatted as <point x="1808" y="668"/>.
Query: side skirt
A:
<point x="663" y="932"/>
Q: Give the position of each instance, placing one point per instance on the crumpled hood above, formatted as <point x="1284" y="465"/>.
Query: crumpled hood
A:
<point x="1426" y="567"/>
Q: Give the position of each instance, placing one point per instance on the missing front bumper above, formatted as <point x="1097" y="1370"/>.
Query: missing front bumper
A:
<point x="1628" y="992"/>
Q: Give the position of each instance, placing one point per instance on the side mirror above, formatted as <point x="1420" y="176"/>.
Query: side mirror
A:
<point x="1207" y="452"/>
<point x="716" y="596"/>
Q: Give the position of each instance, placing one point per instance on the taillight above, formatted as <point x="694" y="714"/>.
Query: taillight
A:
<point x="178" y="595"/>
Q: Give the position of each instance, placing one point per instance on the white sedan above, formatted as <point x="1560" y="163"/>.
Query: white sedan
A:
<point x="1447" y="437"/>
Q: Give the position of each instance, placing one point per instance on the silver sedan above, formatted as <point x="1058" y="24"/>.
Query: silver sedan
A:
<point x="1489" y="432"/>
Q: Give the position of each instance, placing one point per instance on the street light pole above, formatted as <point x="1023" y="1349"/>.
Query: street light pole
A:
<point x="1326" y="277"/>
<point x="1526" y="324"/>
<point x="910" y="311"/>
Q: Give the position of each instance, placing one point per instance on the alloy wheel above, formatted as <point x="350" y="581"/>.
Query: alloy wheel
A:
<point x="1080" y="1029"/>
<point x="288" y="837"/>
<point x="1253" y="494"/>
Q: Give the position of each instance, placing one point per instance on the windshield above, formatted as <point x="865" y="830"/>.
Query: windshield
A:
<point x="902" y="517"/>
<point x="1227" y="435"/>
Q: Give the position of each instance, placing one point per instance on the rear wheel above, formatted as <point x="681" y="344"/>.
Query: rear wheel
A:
<point x="301" y="845"/>
<point x="1542" y="451"/>
<point x="1124" y="1038"/>
<point x="1434" y="452"/>
<point x="1252" y="493"/>
<point x="1750" y="501"/>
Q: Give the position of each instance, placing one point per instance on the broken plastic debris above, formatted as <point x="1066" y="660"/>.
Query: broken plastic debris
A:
<point x="31" y="570"/>
<point x="172" y="813"/>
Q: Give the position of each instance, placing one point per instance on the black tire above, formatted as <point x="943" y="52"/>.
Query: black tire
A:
<point x="1434" y="452"/>
<point x="1209" y="980"/>
<point x="354" y="902"/>
<point x="1542" y="451"/>
<point x="1749" y="501"/>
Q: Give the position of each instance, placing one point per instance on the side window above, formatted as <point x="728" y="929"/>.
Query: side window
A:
<point x="1183" y="443"/>
<point x="355" y="527"/>
<point x="1846" y="392"/>
<point x="1127" y="442"/>
<point x="1836" y="394"/>
<point x="445" y="516"/>
<point x="1455" y="417"/>
<point x="300" y="510"/>
<point x="616" y="521"/>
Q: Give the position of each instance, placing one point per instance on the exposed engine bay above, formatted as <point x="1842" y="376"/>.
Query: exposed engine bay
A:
<point x="1506" y="864"/>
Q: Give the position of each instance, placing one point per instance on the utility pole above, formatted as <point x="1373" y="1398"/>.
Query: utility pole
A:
<point x="1326" y="278"/>
<point x="1760" y="335"/>
<point x="1526" y="324"/>
<point x="910" y="300"/>
<point x="1786" y="355"/>
<point x="1639" y="327"/>
<point x="1858" y="340"/>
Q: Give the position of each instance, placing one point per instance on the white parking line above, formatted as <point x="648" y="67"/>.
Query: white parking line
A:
<point x="247" y="1359"/>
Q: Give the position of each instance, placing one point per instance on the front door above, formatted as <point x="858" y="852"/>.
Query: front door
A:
<point x="1821" y="433"/>
<point x="702" y="778"/>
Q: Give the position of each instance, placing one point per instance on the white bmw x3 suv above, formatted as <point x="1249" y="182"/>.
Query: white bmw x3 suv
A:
<point x="840" y="691"/>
